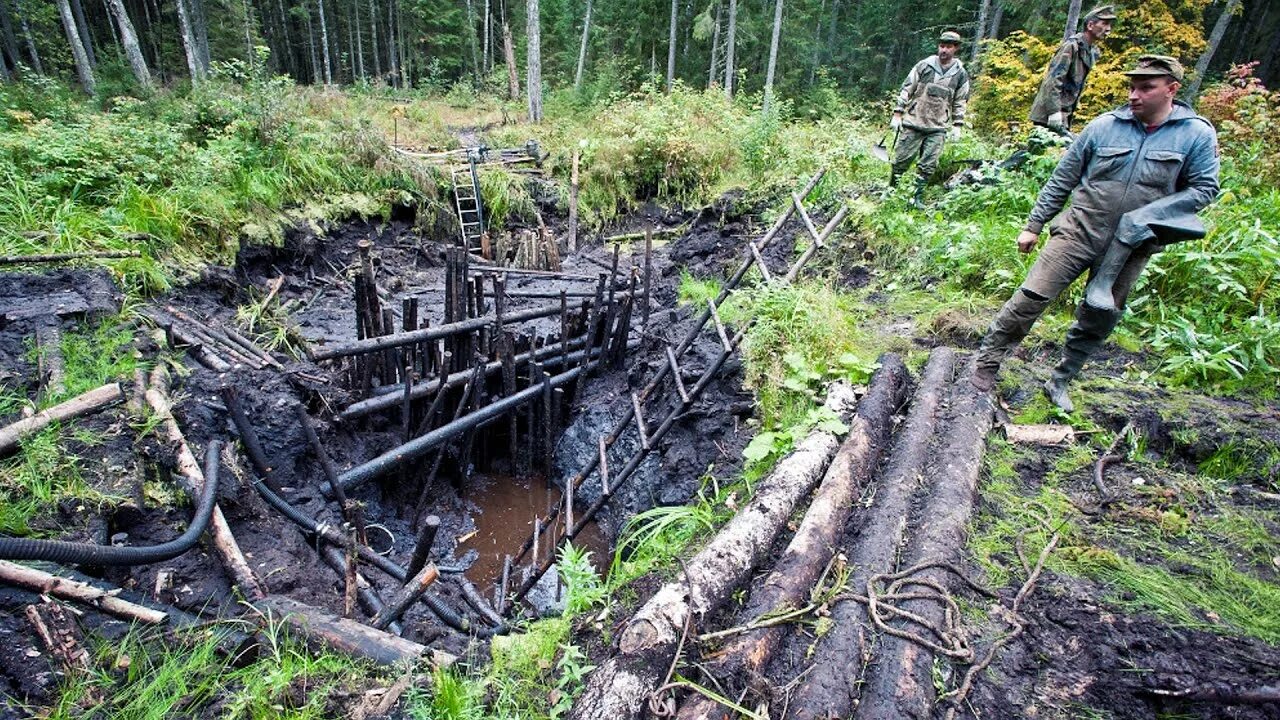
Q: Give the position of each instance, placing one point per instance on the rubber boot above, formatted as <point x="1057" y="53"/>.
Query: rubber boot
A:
<point x="917" y="199"/>
<point x="1055" y="388"/>
<point x="1098" y="294"/>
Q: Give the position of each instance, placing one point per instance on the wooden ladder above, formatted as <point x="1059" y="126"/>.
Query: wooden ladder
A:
<point x="466" y="193"/>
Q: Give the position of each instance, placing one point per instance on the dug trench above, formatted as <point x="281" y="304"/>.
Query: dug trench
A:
<point x="912" y="462"/>
<point x="480" y="490"/>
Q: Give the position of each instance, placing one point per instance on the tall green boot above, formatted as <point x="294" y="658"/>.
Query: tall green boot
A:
<point x="1098" y="294"/>
<point x="917" y="199"/>
<point x="1056" y="386"/>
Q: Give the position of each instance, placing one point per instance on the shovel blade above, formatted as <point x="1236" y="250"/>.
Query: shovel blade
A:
<point x="881" y="152"/>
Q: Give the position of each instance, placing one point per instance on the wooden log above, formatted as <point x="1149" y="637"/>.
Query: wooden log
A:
<point x="830" y="688"/>
<point x="409" y="594"/>
<point x="789" y="584"/>
<point x="620" y="688"/>
<point x="65" y="257"/>
<point x="900" y="681"/>
<point x="192" y="477"/>
<point x="339" y="634"/>
<point x="105" y="600"/>
<point x="53" y="369"/>
<point x="90" y="402"/>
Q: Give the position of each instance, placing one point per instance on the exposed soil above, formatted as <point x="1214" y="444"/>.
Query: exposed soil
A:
<point x="1079" y="653"/>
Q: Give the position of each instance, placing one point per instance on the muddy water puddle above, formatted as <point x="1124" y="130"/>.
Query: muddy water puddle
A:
<point x="505" y="508"/>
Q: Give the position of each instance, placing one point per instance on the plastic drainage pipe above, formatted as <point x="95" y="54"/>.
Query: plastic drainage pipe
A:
<point x="61" y="551"/>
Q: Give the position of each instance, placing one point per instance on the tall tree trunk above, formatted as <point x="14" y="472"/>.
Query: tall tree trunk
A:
<point x="817" y="43"/>
<point x="471" y="38"/>
<point x="351" y="44"/>
<point x="533" y="72"/>
<point x="77" y="49"/>
<point x="1073" y="19"/>
<point x="831" y="30"/>
<point x="10" y="41"/>
<point x="715" y="49"/>
<point x="130" y="41"/>
<point x="86" y="39"/>
<point x="671" y="47"/>
<point x="311" y="47"/>
<point x="31" y="47"/>
<point x="189" y="43"/>
<point x="393" y="57"/>
<point x="729" y="47"/>
<point x="1215" y="39"/>
<point x="773" y="55"/>
<point x="509" y="55"/>
<point x="200" y="28"/>
<point x="115" y="36"/>
<point x="400" y="46"/>
<point x="250" y="55"/>
<point x="994" y="31"/>
<point x="981" y="31"/>
<point x="324" y="44"/>
<point x="487" y="45"/>
<point x="582" y="47"/>
<point x="373" y="38"/>
<point x="355" y="8"/>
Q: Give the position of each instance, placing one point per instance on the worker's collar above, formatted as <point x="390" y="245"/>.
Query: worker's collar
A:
<point x="1181" y="111"/>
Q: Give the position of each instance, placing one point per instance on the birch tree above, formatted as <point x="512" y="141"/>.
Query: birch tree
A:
<point x="78" y="53"/>
<point x="773" y="55"/>
<point x="324" y="44"/>
<point x="533" y="72"/>
<point x="129" y="39"/>
<point x="980" y="31"/>
<point x="582" y="47"/>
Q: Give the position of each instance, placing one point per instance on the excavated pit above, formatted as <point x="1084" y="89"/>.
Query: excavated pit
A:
<point x="486" y="501"/>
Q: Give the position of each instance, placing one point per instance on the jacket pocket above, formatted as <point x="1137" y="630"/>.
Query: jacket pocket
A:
<point x="1108" y="161"/>
<point x="1160" y="168"/>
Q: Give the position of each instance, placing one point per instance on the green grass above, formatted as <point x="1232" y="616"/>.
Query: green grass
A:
<point x="141" y="677"/>
<point x="1180" y="550"/>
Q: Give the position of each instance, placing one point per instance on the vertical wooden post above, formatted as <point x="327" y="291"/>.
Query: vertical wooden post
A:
<point x="648" y="272"/>
<point x="573" y="201"/>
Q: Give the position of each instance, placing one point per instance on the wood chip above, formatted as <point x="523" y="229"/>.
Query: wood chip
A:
<point x="1039" y="434"/>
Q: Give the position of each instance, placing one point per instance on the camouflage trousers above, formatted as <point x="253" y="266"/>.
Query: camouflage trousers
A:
<point x="927" y="144"/>
<point x="1062" y="260"/>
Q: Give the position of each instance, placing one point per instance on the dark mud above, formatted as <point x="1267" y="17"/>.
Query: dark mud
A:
<point x="485" y="512"/>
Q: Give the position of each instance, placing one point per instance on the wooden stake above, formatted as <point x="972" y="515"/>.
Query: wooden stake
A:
<point x="573" y="201"/>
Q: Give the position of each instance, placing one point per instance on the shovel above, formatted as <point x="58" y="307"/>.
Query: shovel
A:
<point x="880" y="151"/>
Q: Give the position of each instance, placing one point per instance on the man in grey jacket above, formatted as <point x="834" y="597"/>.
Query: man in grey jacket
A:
<point x="1136" y="177"/>
<point x="932" y="99"/>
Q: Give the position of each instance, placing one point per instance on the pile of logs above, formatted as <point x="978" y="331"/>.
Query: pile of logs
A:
<point x="930" y="479"/>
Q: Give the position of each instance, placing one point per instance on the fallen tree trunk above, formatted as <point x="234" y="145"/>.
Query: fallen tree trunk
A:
<point x="105" y="600"/>
<point x="189" y="472"/>
<point x="788" y="586"/>
<point x="900" y="681"/>
<point x="621" y="687"/>
<point x="831" y="685"/>
<point x="53" y="368"/>
<point x="340" y="634"/>
<point x="92" y="401"/>
<point x="64" y="257"/>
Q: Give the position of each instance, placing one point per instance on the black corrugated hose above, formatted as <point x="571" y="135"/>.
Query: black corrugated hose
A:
<point x="61" y="551"/>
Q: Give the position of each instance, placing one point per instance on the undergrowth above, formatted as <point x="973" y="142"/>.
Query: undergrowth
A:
<point x="141" y="677"/>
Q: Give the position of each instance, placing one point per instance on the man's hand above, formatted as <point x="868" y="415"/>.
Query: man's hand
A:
<point x="896" y="123"/>
<point x="1057" y="121"/>
<point x="1027" y="241"/>
<point x="955" y="132"/>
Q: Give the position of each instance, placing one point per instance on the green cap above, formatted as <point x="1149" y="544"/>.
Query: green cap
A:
<point x="1155" y="66"/>
<point x="950" y="36"/>
<point x="1102" y="12"/>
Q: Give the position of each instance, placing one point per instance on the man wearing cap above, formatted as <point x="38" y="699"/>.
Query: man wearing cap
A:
<point x="932" y="98"/>
<point x="1136" y="178"/>
<point x="1065" y="77"/>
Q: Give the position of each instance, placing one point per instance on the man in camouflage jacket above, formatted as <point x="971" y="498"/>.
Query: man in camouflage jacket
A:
<point x="932" y="98"/>
<point x="1064" y="79"/>
<point x="1136" y="177"/>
